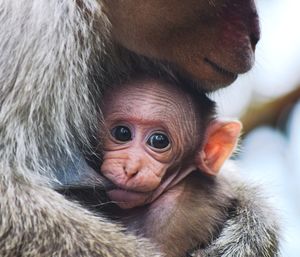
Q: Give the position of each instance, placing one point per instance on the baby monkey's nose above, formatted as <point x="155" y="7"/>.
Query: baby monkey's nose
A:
<point x="132" y="167"/>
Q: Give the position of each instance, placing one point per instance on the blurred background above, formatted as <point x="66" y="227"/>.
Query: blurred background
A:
<point x="267" y="100"/>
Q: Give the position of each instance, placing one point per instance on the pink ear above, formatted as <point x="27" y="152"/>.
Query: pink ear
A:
<point x="221" y="140"/>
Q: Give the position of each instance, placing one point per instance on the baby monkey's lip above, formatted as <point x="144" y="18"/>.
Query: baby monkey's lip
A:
<point x="115" y="187"/>
<point x="109" y="186"/>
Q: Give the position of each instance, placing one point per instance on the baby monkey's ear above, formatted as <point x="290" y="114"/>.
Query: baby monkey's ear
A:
<point x="220" y="141"/>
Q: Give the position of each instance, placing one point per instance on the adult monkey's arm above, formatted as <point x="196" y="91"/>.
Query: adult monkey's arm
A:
<point x="251" y="228"/>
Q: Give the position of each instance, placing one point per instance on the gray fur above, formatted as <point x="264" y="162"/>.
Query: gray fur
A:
<point x="55" y="39"/>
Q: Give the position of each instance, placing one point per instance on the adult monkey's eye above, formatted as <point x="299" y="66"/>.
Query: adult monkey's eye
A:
<point x="121" y="133"/>
<point x="158" y="141"/>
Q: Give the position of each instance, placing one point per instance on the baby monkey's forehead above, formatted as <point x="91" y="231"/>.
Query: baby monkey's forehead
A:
<point x="151" y="100"/>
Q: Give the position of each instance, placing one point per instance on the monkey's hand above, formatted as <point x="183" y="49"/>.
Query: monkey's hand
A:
<point x="37" y="221"/>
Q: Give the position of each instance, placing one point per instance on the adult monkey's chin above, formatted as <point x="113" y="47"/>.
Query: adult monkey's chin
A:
<point x="207" y="76"/>
<point x="210" y="42"/>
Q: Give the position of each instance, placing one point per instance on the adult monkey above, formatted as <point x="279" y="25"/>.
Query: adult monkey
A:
<point x="52" y="56"/>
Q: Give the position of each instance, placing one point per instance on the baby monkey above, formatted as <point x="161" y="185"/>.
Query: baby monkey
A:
<point x="163" y="148"/>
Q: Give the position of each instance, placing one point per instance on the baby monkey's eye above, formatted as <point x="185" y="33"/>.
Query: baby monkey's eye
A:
<point x="158" y="141"/>
<point x="121" y="133"/>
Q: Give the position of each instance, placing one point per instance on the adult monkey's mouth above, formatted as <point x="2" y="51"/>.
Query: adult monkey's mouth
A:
<point x="221" y="70"/>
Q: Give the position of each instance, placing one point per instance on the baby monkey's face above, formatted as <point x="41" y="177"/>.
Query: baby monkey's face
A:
<point x="153" y="140"/>
<point x="136" y="159"/>
<point x="148" y="129"/>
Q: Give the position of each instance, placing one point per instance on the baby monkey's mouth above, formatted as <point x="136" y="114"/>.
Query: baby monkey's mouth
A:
<point x="131" y="197"/>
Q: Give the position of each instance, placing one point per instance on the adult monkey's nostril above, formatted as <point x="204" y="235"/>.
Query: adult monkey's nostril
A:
<point x="254" y="30"/>
<point x="254" y="38"/>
